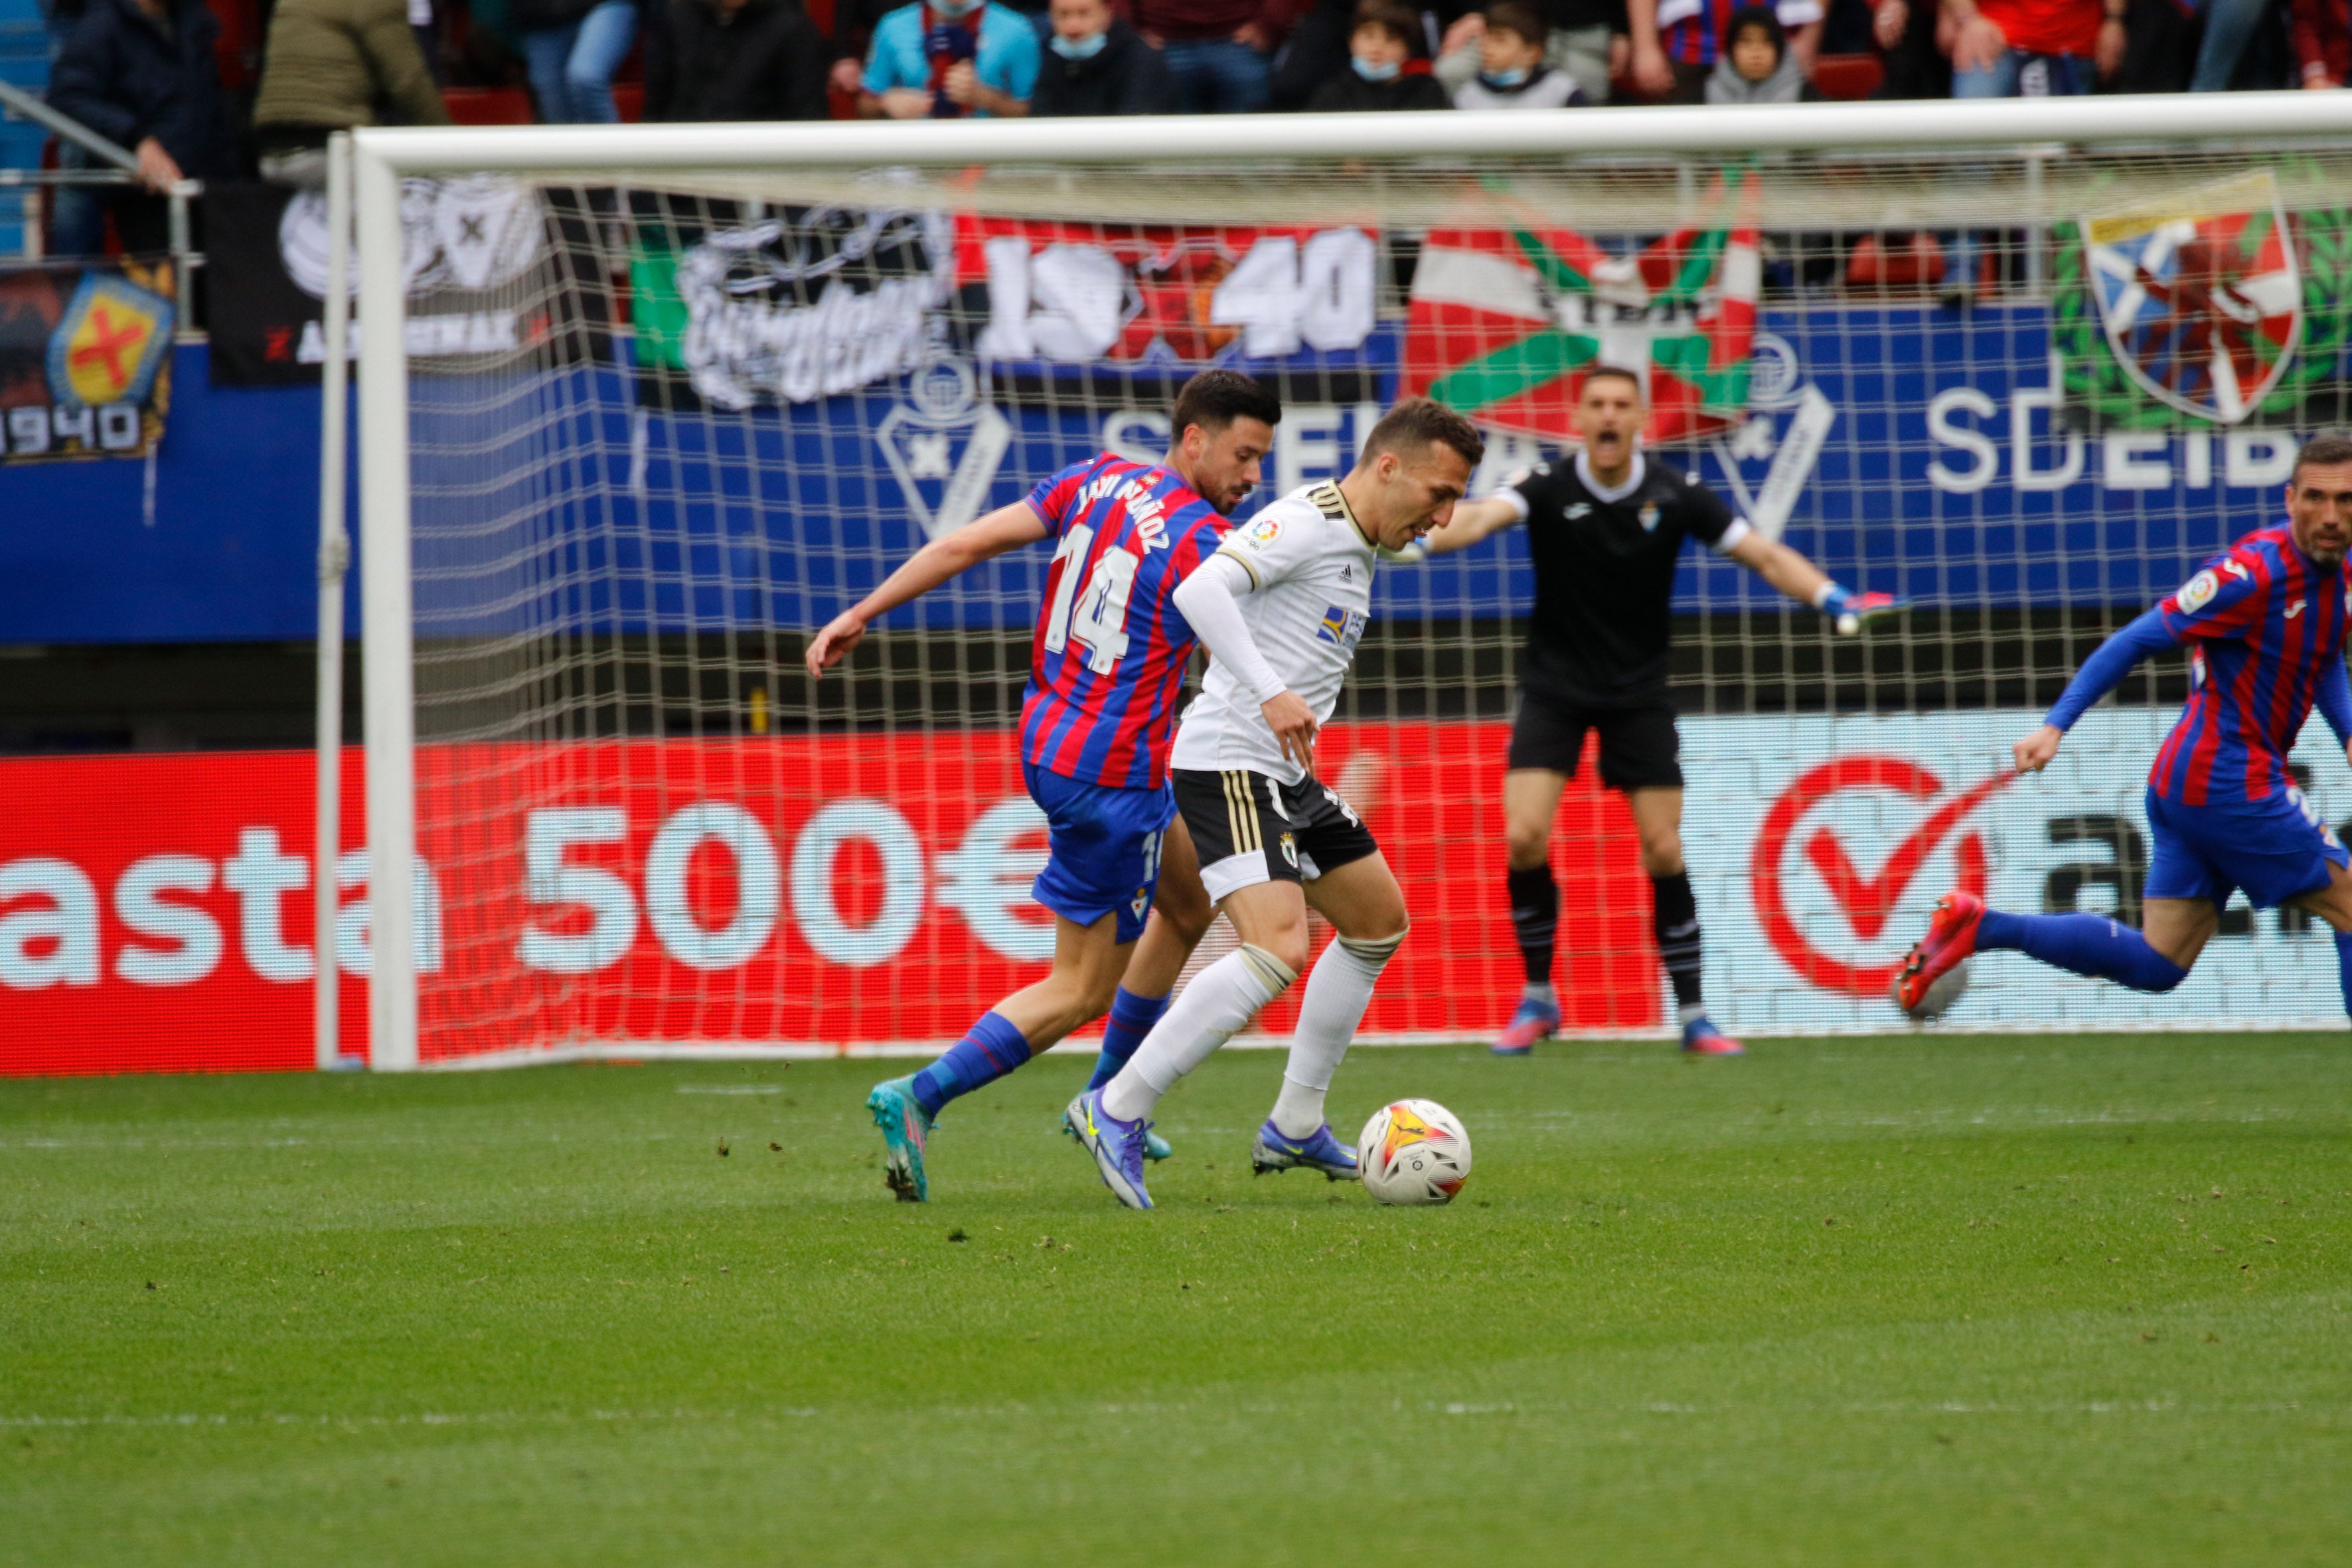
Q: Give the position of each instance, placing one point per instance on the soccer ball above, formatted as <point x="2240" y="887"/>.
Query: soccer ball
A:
<point x="1940" y="998"/>
<point x="1413" y="1152"/>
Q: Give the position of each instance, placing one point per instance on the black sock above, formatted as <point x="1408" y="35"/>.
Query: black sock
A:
<point x="1535" y="915"/>
<point x="1674" y="918"/>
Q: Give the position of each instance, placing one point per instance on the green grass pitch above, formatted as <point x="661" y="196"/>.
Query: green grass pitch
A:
<point x="2077" y="1300"/>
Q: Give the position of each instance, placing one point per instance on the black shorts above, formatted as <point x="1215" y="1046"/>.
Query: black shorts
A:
<point x="1640" y="748"/>
<point x="1251" y="828"/>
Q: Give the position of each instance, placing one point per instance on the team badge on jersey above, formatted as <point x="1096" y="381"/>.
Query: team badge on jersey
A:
<point x="2198" y="591"/>
<point x="1345" y="627"/>
<point x="1649" y="516"/>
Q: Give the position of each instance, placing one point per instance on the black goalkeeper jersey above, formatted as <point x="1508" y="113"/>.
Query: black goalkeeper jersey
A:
<point x="1605" y="577"/>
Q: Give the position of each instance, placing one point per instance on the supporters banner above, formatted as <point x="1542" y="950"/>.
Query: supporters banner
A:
<point x="85" y="360"/>
<point x="1505" y="323"/>
<point x="467" y="243"/>
<point x="1818" y="845"/>
<point x="2219" y="309"/>
<point x="817" y="302"/>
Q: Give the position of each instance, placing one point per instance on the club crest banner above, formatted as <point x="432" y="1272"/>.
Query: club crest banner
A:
<point x="2216" y="308"/>
<point x="85" y="360"/>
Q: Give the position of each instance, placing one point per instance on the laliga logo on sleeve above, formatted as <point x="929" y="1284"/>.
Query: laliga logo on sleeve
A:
<point x="1839" y="938"/>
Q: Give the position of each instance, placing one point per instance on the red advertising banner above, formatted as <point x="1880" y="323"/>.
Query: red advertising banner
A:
<point x="830" y="891"/>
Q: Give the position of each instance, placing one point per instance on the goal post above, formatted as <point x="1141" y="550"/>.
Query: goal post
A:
<point x="640" y="408"/>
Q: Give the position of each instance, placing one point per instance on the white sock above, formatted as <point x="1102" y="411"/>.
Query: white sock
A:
<point x="1211" y="1010"/>
<point x="1337" y="992"/>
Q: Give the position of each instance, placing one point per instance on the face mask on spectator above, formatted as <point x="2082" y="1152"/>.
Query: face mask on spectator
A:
<point x="1084" y="49"/>
<point x="1505" y="79"/>
<point x="1376" y="71"/>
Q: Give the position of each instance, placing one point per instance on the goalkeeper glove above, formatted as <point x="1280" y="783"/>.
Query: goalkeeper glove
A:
<point x="1849" y="612"/>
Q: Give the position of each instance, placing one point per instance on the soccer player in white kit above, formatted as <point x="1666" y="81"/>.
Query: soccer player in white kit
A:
<point x="1280" y="607"/>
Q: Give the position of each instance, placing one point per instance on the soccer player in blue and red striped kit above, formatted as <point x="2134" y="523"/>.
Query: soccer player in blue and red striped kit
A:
<point x="2265" y="625"/>
<point x="1106" y="666"/>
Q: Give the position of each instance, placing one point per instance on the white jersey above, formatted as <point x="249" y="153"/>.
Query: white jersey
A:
<point x="1310" y="570"/>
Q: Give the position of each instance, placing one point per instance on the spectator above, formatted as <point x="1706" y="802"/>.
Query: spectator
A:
<point x="2023" y="49"/>
<point x="2230" y="26"/>
<point x="2032" y="48"/>
<point x="1676" y="42"/>
<point x="142" y="74"/>
<point x="1100" y="66"/>
<point x="2322" y="43"/>
<point x="1511" y="70"/>
<point x="1376" y="78"/>
<point x="332" y="65"/>
<point x="1756" y="65"/>
<point x="734" y="59"/>
<point x="1915" y="61"/>
<point x="950" y="59"/>
<point x="1583" y="38"/>
<point x="852" y="37"/>
<point x="1216" y="49"/>
<point x="574" y="47"/>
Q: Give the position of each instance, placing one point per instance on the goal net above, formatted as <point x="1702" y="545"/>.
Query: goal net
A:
<point x="664" y="401"/>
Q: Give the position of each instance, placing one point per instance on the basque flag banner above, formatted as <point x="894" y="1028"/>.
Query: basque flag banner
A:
<point x="1506" y="321"/>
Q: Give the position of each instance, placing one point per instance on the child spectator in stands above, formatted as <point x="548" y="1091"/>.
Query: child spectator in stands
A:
<point x="1756" y="65"/>
<point x="1511" y="70"/>
<point x="574" y="47"/>
<point x="734" y="59"/>
<point x="1216" y="50"/>
<point x="142" y="74"/>
<point x="1376" y="78"/>
<point x="1584" y="39"/>
<point x="948" y="58"/>
<point x="1676" y="42"/>
<point x="1099" y="65"/>
<point x="332" y="65"/>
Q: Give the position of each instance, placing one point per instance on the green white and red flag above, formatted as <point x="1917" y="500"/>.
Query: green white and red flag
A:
<point x="1505" y="321"/>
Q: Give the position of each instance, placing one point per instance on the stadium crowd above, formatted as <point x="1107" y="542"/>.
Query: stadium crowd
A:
<point x="220" y="88"/>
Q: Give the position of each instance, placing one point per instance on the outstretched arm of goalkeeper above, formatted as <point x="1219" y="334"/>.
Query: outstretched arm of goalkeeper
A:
<point x="1006" y="528"/>
<point x="1807" y="584"/>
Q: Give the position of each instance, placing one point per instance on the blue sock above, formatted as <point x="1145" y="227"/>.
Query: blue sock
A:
<point x="989" y="1049"/>
<point x="2086" y="944"/>
<point x="1131" y="1017"/>
<point x="2344" y="967"/>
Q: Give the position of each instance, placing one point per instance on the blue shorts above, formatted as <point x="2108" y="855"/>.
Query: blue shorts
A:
<point x="1102" y="848"/>
<point x="2276" y="849"/>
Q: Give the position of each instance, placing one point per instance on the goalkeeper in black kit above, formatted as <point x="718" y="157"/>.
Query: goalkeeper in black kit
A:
<point x="1604" y="531"/>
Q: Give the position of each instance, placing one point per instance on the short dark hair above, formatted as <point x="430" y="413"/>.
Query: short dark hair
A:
<point x="2323" y="449"/>
<point x="1420" y="422"/>
<point x="1764" y="16"/>
<point x="1398" y="20"/>
<point x="1518" y="17"/>
<point x="1215" y="398"/>
<point x="1623" y="372"/>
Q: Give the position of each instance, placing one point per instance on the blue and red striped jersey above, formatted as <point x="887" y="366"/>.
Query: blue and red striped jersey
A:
<point x="1107" y="663"/>
<point x="2263" y="625"/>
